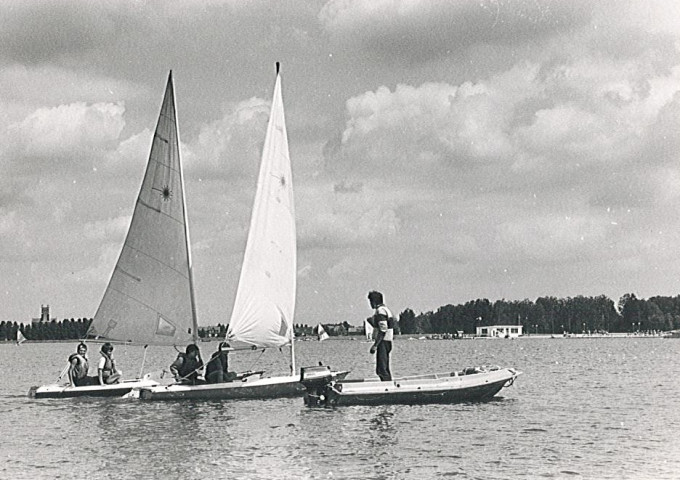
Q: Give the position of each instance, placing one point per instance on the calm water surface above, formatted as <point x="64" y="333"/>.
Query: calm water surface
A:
<point x="584" y="408"/>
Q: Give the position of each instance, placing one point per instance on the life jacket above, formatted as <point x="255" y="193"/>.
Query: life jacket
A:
<point x="385" y="321"/>
<point x="218" y="361"/>
<point x="82" y="366"/>
<point x="109" y="366"/>
<point x="189" y="366"/>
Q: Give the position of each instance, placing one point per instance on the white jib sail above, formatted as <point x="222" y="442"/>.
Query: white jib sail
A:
<point x="265" y="299"/>
<point x="149" y="299"/>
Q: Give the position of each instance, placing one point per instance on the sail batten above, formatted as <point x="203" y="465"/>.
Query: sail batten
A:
<point x="149" y="299"/>
<point x="264" y="307"/>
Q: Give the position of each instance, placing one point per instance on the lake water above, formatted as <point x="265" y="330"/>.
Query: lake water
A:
<point x="588" y="408"/>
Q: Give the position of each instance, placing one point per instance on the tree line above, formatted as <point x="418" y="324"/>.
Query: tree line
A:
<point x="550" y="315"/>
<point x="53" y="330"/>
<point x="546" y="315"/>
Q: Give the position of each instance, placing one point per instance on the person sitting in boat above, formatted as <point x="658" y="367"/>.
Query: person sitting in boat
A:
<point x="186" y="366"/>
<point x="79" y="366"/>
<point x="217" y="368"/>
<point x="108" y="373"/>
<point x="383" y="322"/>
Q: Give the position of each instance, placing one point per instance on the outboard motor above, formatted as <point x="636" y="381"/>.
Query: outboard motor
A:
<point x="316" y="381"/>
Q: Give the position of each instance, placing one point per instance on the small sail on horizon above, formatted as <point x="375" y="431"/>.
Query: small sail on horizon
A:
<point x="150" y="299"/>
<point x="265" y="298"/>
<point x="368" y="329"/>
<point x="20" y="337"/>
<point x="321" y="333"/>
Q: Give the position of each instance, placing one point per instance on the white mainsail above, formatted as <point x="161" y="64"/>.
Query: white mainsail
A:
<point x="321" y="333"/>
<point x="150" y="299"/>
<point x="265" y="299"/>
<point x="368" y="328"/>
<point x="20" y="337"/>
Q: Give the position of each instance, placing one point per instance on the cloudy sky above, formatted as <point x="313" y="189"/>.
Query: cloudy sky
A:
<point x="442" y="151"/>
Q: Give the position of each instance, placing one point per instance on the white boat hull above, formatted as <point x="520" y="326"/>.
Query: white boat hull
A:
<point x="68" y="391"/>
<point x="455" y="387"/>
<point x="248" y="387"/>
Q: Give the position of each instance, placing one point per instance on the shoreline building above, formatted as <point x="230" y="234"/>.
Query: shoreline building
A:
<point x="500" y="331"/>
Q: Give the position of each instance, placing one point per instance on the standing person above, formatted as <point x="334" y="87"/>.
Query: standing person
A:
<point x="217" y="368"/>
<point x="79" y="366"/>
<point x="383" y="322"/>
<point x="108" y="373"/>
<point x="186" y="366"/>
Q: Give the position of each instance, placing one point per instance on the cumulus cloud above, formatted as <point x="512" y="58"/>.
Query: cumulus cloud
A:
<point x="67" y="130"/>
<point x="556" y="118"/>
<point x="231" y="145"/>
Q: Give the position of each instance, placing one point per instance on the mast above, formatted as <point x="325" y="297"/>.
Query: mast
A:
<point x="192" y="295"/>
<point x="292" y="329"/>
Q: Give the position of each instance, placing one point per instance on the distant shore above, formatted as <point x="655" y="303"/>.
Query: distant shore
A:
<point x="428" y="337"/>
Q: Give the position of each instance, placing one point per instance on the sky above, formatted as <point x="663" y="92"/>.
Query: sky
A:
<point x="442" y="151"/>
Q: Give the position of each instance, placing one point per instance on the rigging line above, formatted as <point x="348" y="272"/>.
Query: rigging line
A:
<point x="68" y="365"/>
<point x="257" y="359"/>
<point x="141" y="369"/>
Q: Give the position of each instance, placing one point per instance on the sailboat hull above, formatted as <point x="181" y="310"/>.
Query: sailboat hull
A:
<point x="67" y="391"/>
<point x="260" y="389"/>
<point x="456" y="387"/>
<point x="248" y="387"/>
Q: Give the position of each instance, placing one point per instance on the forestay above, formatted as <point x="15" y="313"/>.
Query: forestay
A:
<point x="149" y="299"/>
<point x="265" y="299"/>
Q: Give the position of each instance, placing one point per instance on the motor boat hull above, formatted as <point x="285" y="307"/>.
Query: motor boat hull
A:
<point x="456" y="387"/>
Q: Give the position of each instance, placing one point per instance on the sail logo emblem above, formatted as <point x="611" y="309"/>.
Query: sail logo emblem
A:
<point x="165" y="327"/>
<point x="166" y="193"/>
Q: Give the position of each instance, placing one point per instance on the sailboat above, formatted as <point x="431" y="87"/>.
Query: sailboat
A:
<point x="264" y="306"/>
<point x="321" y="333"/>
<point x="20" y="337"/>
<point x="368" y="331"/>
<point x="149" y="299"/>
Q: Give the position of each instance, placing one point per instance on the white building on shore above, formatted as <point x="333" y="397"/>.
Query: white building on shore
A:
<point x="500" y="331"/>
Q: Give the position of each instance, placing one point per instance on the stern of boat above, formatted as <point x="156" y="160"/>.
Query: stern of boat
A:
<point x="317" y="381"/>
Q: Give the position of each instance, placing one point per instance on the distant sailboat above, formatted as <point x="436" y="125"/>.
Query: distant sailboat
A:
<point x="321" y="333"/>
<point x="150" y="297"/>
<point x="368" y="330"/>
<point x="264" y="307"/>
<point x="20" y="337"/>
